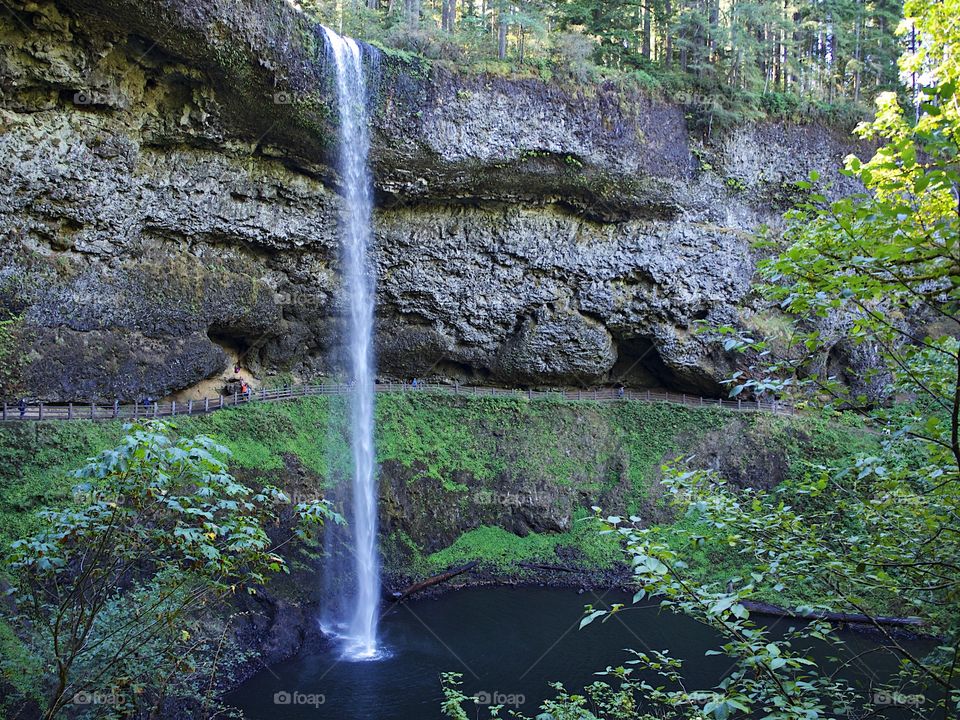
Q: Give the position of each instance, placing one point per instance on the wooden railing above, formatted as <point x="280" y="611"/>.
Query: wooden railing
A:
<point x="138" y="411"/>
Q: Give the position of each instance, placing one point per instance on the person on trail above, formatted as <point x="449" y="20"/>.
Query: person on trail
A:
<point x="22" y="406"/>
<point x="414" y="383"/>
<point x="116" y="408"/>
<point x="620" y="392"/>
<point x="236" y="369"/>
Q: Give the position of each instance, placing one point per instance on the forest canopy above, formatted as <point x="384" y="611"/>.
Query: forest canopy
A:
<point x="730" y="59"/>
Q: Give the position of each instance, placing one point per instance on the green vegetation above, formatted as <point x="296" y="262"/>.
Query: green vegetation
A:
<point x="108" y="591"/>
<point x="502" y="551"/>
<point x="582" y="444"/>
<point x="808" y="448"/>
<point x="650" y="433"/>
<point x="461" y="444"/>
<point x="724" y="62"/>
<point x="567" y="443"/>
<point x="36" y="465"/>
<point x="10" y="357"/>
<point x="866" y="533"/>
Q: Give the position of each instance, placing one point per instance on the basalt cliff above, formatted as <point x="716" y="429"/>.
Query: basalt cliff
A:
<point x="169" y="207"/>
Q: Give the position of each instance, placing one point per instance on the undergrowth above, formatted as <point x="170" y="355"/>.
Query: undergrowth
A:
<point x="575" y="447"/>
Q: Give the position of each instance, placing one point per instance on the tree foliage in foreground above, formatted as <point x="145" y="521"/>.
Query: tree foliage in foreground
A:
<point x="107" y="595"/>
<point x="876" y="536"/>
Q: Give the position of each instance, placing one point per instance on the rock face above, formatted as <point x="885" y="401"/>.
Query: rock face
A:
<point x="167" y="201"/>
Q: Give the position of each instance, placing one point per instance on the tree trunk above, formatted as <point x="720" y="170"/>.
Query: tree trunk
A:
<point x="714" y="29"/>
<point x="832" y="67"/>
<point x="431" y="581"/>
<point x="913" y="75"/>
<point x="762" y="608"/>
<point x="448" y="9"/>
<point x="856" y="55"/>
<point x="668" y="34"/>
<point x="502" y="36"/>
<point x="646" y="30"/>
<point x="413" y="12"/>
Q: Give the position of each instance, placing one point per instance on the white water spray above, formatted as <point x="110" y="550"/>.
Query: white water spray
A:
<point x="358" y="281"/>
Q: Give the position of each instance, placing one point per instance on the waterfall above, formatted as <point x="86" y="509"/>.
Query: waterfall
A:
<point x="354" y="145"/>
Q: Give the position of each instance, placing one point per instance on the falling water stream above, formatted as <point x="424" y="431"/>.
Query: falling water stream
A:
<point x="361" y="627"/>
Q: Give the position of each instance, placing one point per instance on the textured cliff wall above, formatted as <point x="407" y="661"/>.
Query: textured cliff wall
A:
<point x="168" y="202"/>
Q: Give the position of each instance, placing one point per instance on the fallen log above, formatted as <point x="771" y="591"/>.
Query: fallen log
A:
<point x="431" y="581"/>
<point x="776" y="611"/>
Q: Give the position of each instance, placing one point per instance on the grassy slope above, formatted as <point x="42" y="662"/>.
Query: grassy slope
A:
<point x="565" y="442"/>
<point x="575" y="447"/>
<point x="808" y="444"/>
<point x="443" y="435"/>
<point x="579" y="447"/>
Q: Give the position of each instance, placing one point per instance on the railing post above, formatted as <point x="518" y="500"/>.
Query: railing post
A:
<point x="4" y="412"/>
<point x="173" y="408"/>
<point x="40" y="412"/>
<point x="93" y="411"/>
<point x="235" y="397"/>
<point x="683" y="398"/>
<point x="221" y="401"/>
<point x="156" y="408"/>
<point x="758" y="403"/>
<point x="190" y="406"/>
<point x="206" y="404"/>
<point x="69" y="411"/>
<point x="739" y="404"/>
<point x="701" y="399"/>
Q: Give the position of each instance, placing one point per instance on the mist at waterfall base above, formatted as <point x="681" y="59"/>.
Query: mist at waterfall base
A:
<point x="353" y="608"/>
<point x="509" y="643"/>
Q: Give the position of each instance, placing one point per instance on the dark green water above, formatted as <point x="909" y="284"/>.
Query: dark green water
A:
<point x="508" y="643"/>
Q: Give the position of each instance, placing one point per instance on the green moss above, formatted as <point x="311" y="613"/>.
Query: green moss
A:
<point x="11" y="358"/>
<point x="495" y="546"/>
<point x="36" y="461"/>
<point x="567" y="443"/>
<point x="260" y="435"/>
<point x="814" y="441"/>
<point x="437" y="434"/>
<point x="463" y="442"/>
<point x="502" y="551"/>
<point x="651" y="431"/>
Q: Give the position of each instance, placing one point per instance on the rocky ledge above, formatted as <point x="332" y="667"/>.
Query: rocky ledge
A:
<point x="169" y="208"/>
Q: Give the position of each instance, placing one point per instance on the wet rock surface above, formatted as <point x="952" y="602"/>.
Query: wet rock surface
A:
<point x="168" y="202"/>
